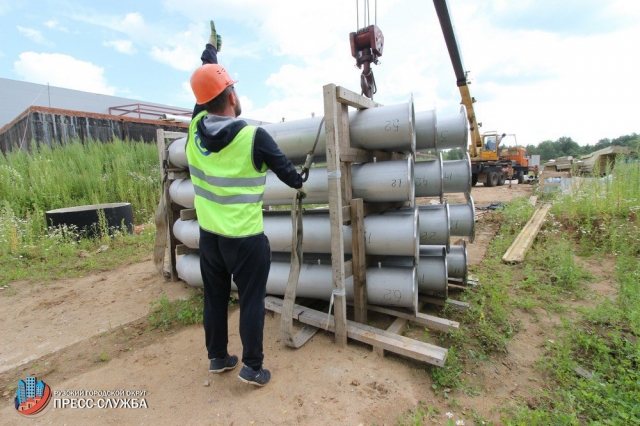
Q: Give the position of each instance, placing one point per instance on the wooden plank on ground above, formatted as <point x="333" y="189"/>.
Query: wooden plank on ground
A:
<point x="524" y="240"/>
<point x="395" y="343"/>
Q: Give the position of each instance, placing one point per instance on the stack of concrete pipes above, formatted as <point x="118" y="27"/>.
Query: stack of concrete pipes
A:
<point x="409" y="240"/>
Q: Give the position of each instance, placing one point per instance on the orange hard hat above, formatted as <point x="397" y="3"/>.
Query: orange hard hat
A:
<point x="209" y="81"/>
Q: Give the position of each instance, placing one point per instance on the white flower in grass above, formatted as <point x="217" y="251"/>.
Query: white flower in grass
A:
<point x="459" y="422"/>
<point x="449" y="414"/>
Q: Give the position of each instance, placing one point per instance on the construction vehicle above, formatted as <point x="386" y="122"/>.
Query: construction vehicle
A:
<point x="489" y="161"/>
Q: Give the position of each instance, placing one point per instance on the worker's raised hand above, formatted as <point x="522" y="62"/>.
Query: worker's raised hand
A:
<point x="215" y="39"/>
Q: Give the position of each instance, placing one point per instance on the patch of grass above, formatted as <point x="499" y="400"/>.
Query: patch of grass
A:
<point x="103" y="357"/>
<point x="166" y="314"/>
<point x="419" y="415"/>
<point x="592" y="369"/>
<point x="58" y="255"/>
<point x="72" y="174"/>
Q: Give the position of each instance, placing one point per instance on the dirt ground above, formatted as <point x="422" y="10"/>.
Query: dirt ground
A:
<point x="88" y="334"/>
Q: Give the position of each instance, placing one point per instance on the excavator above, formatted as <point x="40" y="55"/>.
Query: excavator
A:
<point x="489" y="160"/>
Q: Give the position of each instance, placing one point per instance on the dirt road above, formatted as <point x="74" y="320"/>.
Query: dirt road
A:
<point x="85" y="334"/>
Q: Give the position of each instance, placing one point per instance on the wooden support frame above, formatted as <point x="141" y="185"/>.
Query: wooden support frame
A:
<point x="345" y="210"/>
<point x="337" y="135"/>
<point x="342" y="208"/>
<point x="168" y="174"/>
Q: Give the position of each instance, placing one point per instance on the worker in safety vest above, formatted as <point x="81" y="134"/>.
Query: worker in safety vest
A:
<point x="228" y="162"/>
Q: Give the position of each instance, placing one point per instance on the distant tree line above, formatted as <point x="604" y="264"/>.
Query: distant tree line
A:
<point x="565" y="146"/>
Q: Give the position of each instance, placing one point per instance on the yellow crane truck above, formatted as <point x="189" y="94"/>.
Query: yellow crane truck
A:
<point x="489" y="161"/>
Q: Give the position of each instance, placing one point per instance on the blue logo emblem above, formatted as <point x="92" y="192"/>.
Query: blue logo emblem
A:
<point x="201" y="148"/>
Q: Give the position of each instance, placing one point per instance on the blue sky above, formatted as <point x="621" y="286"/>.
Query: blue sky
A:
<point x="540" y="69"/>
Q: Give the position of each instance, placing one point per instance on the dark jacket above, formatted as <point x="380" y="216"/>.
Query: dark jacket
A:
<point x="216" y="132"/>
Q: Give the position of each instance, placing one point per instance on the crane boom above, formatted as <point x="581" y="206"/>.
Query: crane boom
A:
<point x="446" y="24"/>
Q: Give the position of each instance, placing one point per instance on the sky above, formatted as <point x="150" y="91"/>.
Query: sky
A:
<point x="539" y="69"/>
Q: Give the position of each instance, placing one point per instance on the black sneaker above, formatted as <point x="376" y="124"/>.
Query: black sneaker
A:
<point x="256" y="378"/>
<point x="218" y="365"/>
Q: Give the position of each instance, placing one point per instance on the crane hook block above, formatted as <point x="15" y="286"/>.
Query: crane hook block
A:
<point x="366" y="45"/>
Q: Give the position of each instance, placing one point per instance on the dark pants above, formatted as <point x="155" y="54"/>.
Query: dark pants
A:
<point x="248" y="260"/>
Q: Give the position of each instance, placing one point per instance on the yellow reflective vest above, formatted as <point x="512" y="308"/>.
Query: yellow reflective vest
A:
<point x="228" y="188"/>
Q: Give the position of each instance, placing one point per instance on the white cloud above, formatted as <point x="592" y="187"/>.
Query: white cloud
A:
<point x="178" y="50"/>
<point x="183" y="49"/>
<point x="131" y="24"/>
<point x="122" y="46"/>
<point x="63" y="71"/>
<point x="55" y="25"/>
<point x="34" y="35"/>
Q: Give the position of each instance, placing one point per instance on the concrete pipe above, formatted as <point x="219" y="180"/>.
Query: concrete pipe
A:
<point x="433" y="275"/>
<point x="383" y="236"/>
<point x="456" y="175"/>
<point x="178" y="154"/>
<point x="179" y="118"/>
<point x="462" y="219"/>
<point x="384" y="181"/>
<point x="433" y="221"/>
<point x="182" y="193"/>
<point x="441" y="132"/>
<point x="431" y="272"/>
<point x="388" y="286"/>
<point x="373" y="182"/>
<point x="435" y="178"/>
<point x="386" y="128"/>
<point x="429" y="178"/>
<point x="457" y="261"/>
<point x="435" y="224"/>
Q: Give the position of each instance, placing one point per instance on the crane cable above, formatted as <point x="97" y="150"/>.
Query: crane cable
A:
<point x="366" y="12"/>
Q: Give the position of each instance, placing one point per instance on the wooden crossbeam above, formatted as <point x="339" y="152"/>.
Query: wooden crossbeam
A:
<point x="433" y="322"/>
<point x="347" y="97"/>
<point x="455" y="304"/>
<point x="188" y="214"/>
